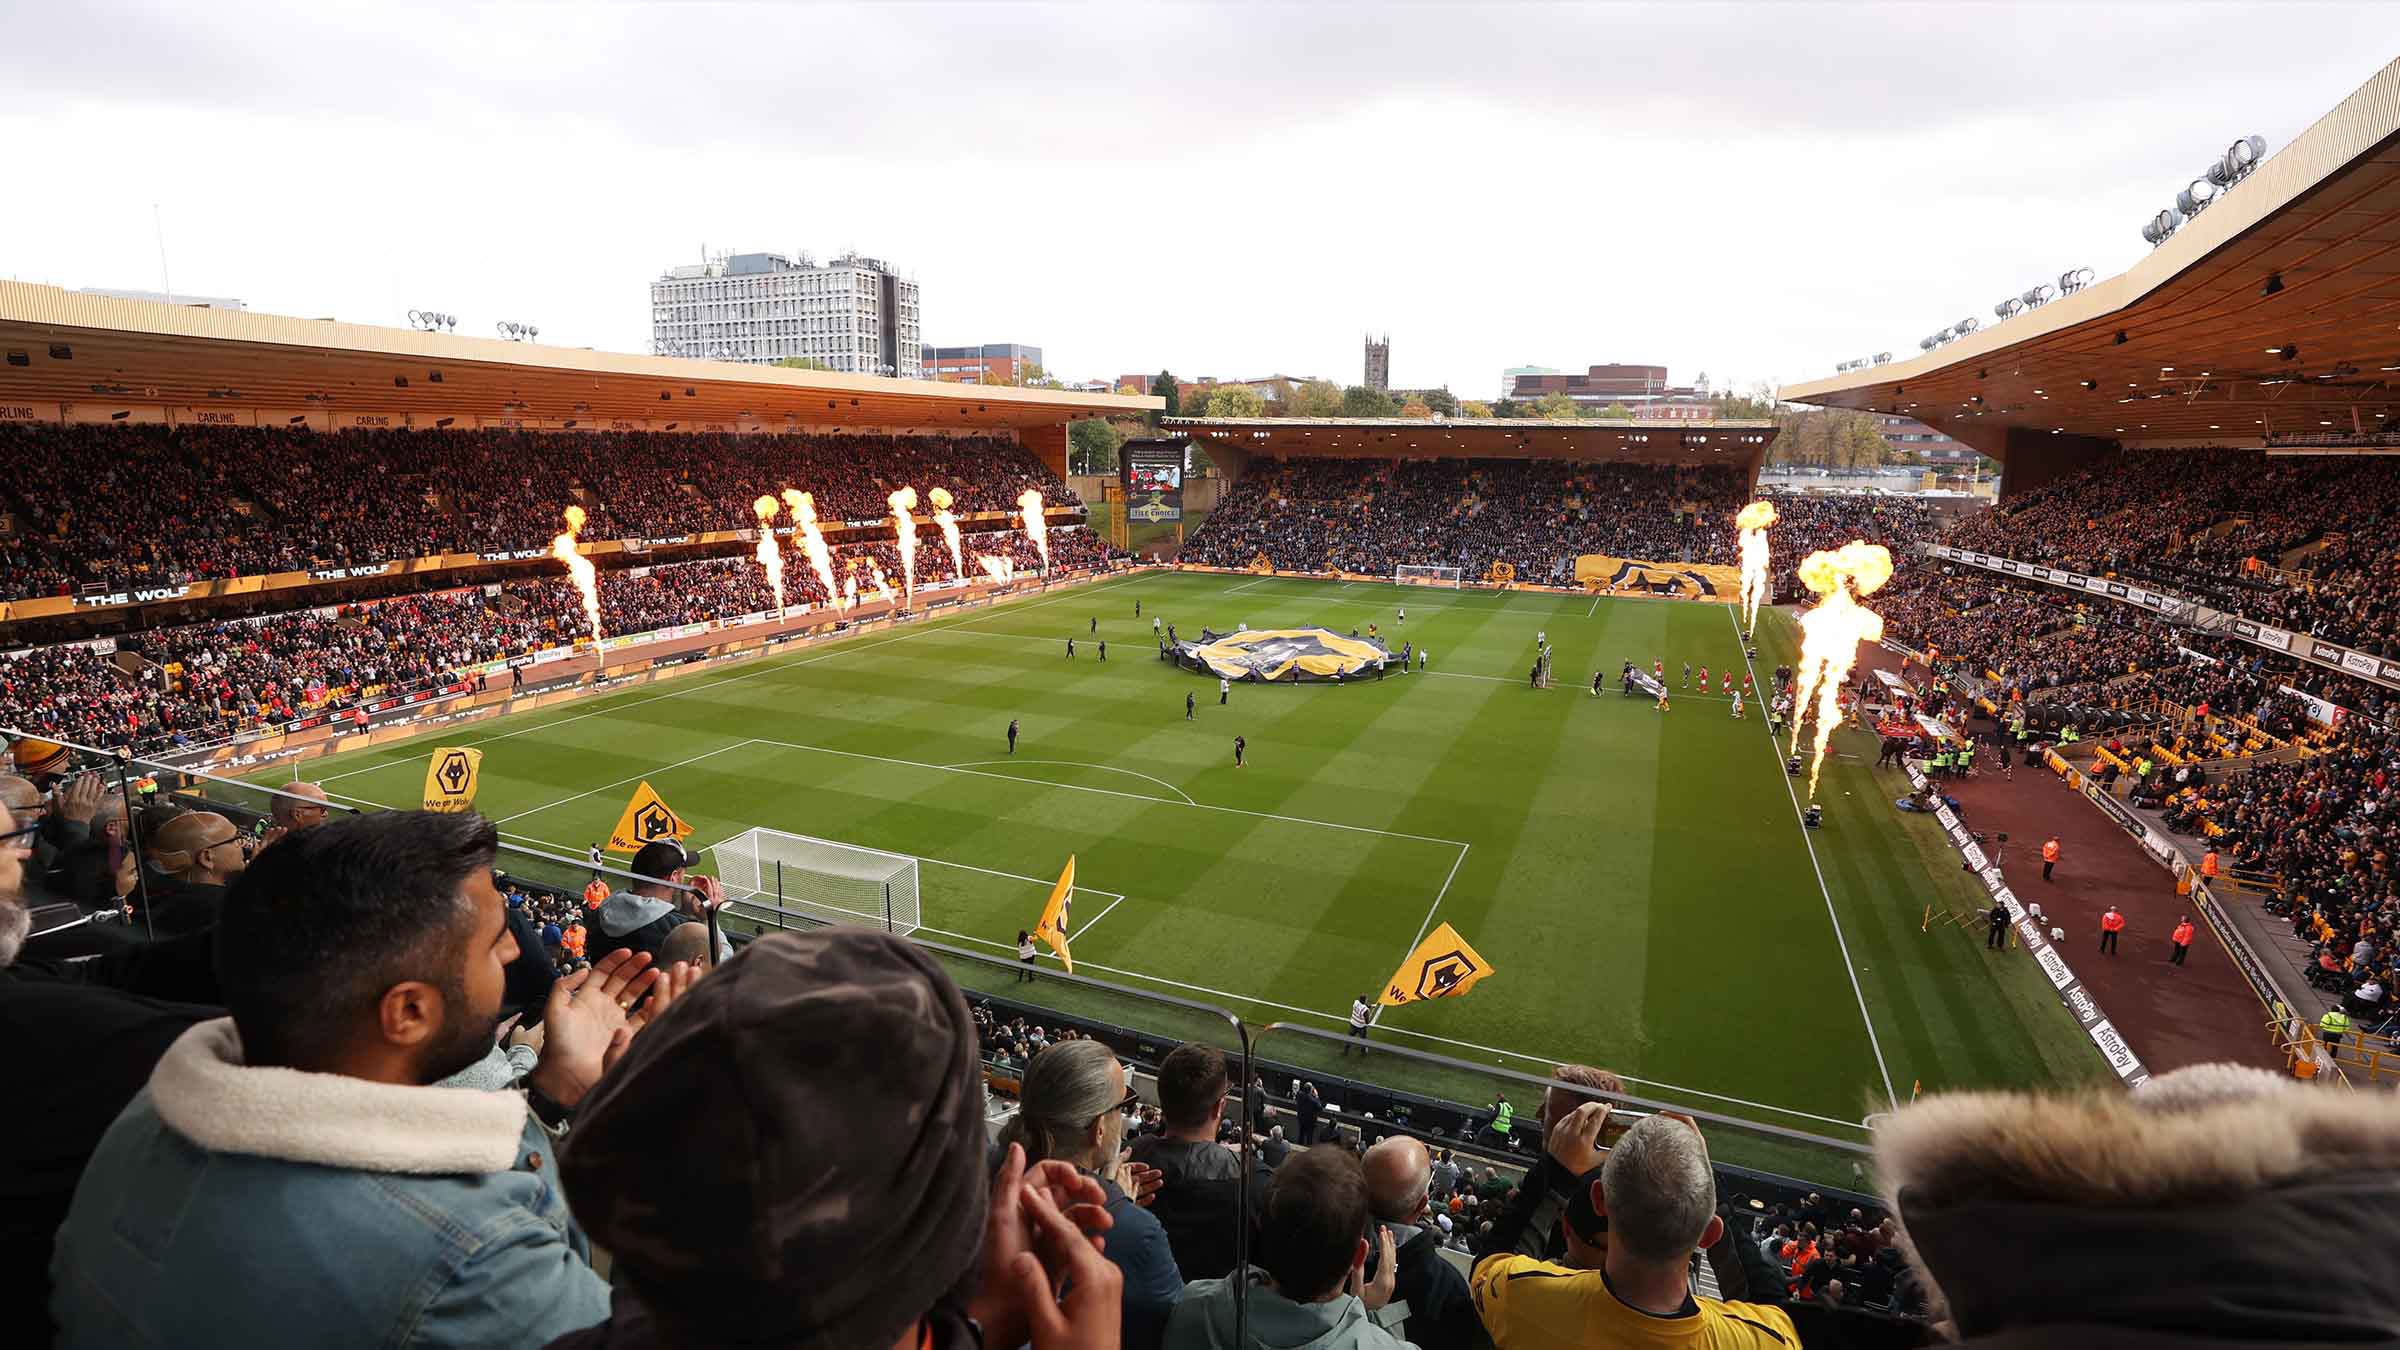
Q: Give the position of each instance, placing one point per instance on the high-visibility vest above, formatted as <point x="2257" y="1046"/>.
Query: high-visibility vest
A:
<point x="2183" y="935"/>
<point x="1503" y="1116"/>
<point x="2335" y="1022"/>
<point x="2112" y="922"/>
<point x="2208" y="863"/>
<point x="2050" y="851"/>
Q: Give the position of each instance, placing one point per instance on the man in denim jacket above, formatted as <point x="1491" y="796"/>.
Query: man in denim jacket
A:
<point x="291" y="1177"/>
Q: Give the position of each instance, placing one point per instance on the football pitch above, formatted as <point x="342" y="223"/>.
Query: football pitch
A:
<point x="1639" y="882"/>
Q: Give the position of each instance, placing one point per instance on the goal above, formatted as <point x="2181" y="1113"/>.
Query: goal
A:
<point x="795" y="876"/>
<point x="1413" y="574"/>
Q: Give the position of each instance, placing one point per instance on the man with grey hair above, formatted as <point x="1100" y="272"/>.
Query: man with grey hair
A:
<point x="1660" y="1199"/>
<point x="1431" y="1306"/>
<point x="1071" y="1110"/>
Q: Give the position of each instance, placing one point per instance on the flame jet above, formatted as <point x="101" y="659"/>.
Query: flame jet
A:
<point x="812" y="543"/>
<point x="940" y="499"/>
<point x="579" y="569"/>
<point x="1830" y="634"/>
<point x="1029" y="514"/>
<point x="904" y="533"/>
<point x="1753" y="521"/>
<point x="770" y="556"/>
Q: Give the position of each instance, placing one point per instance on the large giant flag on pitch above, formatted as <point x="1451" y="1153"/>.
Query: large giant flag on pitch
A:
<point x="647" y="820"/>
<point x="1442" y="966"/>
<point x="1052" y="930"/>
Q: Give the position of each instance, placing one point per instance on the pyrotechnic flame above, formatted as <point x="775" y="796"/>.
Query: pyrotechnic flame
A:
<point x="1002" y="570"/>
<point x="770" y="555"/>
<point x="579" y="569"/>
<point x="940" y="498"/>
<point x="812" y="542"/>
<point x="849" y="590"/>
<point x="1029" y="514"/>
<point x="875" y="570"/>
<point x="904" y="528"/>
<point x="1753" y="521"/>
<point x="1830" y="634"/>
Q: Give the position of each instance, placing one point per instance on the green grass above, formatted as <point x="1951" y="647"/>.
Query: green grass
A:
<point x="1639" y="882"/>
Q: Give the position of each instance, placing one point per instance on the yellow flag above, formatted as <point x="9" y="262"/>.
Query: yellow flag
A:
<point x="647" y="819"/>
<point x="1442" y="966"/>
<point x="450" y="779"/>
<point x="1052" y="930"/>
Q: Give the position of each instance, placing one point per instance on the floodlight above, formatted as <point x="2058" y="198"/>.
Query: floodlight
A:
<point x="2161" y="225"/>
<point x="2008" y="308"/>
<point x="2074" y="279"/>
<point x="2239" y="159"/>
<point x="1968" y="325"/>
<point x="2195" y="198"/>
<point x="2039" y="295"/>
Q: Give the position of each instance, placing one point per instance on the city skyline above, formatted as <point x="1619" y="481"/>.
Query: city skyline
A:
<point x="1744" y="217"/>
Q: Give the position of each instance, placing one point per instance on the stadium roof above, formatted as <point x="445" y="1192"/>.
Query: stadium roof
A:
<point x="67" y="347"/>
<point x="1653" y="441"/>
<point x="2275" y="311"/>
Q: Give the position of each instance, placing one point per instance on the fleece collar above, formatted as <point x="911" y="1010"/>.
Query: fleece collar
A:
<point x="205" y="1093"/>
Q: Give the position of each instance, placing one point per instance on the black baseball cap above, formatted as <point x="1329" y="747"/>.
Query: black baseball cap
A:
<point x="660" y="859"/>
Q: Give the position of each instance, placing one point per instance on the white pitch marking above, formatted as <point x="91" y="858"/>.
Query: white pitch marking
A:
<point x="1075" y="764"/>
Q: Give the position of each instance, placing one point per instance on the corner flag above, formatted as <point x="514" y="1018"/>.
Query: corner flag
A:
<point x="647" y="819"/>
<point x="450" y="779"/>
<point x="1442" y="966"/>
<point x="1052" y="930"/>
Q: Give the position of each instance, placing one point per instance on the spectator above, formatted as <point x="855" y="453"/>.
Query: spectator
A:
<point x="1199" y="1196"/>
<point x="297" y="807"/>
<point x="2199" y="1209"/>
<point x="198" y="855"/>
<point x="286" y="1179"/>
<point x="822" y="1096"/>
<point x="1430" y="1307"/>
<point x="640" y="918"/>
<point x="1309" y="1287"/>
<point x="1659" y="1196"/>
<point x="78" y="1052"/>
<point x="1071" y="1110"/>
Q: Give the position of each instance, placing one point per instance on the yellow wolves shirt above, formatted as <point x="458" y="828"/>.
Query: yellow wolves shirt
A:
<point x="1534" y="1305"/>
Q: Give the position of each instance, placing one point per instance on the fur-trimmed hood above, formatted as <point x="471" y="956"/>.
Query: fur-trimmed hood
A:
<point x="204" y="1092"/>
<point x="2216" y="1202"/>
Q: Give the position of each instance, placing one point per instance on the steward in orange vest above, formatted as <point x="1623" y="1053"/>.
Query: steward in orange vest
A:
<point x="2182" y="940"/>
<point x="2111" y="924"/>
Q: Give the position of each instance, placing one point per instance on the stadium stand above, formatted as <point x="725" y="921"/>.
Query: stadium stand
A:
<point x="185" y="685"/>
<point x="129" y="505"/>
<point x="1367" y="516"/>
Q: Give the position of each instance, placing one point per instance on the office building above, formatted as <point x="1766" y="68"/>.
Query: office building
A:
<point x="1637" y="387"/>
<point x="990" y="363"/>
<point x="854" y="314"/>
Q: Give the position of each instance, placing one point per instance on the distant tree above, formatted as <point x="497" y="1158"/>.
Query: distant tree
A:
<point x="802" y="363"/>
<point x="1417" y="408"/>
<point x="1237" y="400"/>
<point x="1279" y="398"/>
<point x="1759" y="402"/>
<point x="1555" y="406"/>
<point x="1314" y="398"/>
<point x="1092" y="446"/>
<point x="1615" y="412"/>
<point x="1360" y="401"/>
<point x="1509" y="407"/>
<point x="1165" y="386"/>
<point x="1441" y="401"/>
<point x="1032" y="376"/>
<point x="1839" y="438"/>
<point x="1472" y="408"/>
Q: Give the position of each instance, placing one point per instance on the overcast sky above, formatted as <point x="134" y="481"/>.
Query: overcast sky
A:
<point x="1754" y="191"/>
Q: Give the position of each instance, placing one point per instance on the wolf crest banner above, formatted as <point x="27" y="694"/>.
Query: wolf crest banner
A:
<point x="647" y="820"/>
<point x="1442" y="966"/>
<point x="451" y="778"/>
<point x="1052" y="930"/>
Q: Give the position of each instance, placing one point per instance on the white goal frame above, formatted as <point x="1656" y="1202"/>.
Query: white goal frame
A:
<point x="1419" y="574"/>
<point x="819" y="881"/>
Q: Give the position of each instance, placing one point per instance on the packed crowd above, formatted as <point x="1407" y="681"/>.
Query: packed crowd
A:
<point x="1366" y="516"/>
<point x="144" y="505"/>
<point x="2308" y="544"/>
<point x="169" y="687"/>
<point x="354" y="1021"/>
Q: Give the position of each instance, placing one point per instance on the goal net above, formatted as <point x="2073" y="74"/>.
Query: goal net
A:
<point x="796" y="878"/>
<point x="1413" y="574"/>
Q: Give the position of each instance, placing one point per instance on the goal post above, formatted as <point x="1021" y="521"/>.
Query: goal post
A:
<point x="1415" y="574"/>
<point x="818" y="881"/>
